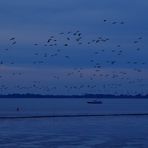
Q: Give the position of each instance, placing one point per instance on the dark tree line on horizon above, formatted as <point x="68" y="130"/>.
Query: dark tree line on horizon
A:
<point x="105" y="96"/>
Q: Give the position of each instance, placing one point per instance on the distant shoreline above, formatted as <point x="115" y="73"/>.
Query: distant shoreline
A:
<point x="104" y="96"/>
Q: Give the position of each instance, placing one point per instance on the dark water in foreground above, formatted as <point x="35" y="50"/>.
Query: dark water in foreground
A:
<point x="78" y="132"/>
<point x="102" y="132"/>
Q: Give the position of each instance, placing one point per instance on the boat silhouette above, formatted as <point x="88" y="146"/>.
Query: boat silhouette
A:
<point x="95" y="102"/>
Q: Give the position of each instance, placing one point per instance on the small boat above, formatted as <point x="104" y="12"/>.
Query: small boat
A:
<point x="95" y="102"/>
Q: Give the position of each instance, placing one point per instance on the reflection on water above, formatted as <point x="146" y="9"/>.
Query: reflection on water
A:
<point x="102" y="132"/>
<point x="94" y="132"/>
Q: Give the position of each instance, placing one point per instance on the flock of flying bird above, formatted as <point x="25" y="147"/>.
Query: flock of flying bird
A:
<point x="92" y="66"/>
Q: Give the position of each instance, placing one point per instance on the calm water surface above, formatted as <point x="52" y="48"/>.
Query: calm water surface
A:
<point x="79" y="132"/>
<point x="92" y="132"/>
<point x="72" y="106"/>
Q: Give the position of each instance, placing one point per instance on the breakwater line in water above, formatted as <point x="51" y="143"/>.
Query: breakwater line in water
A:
<point x="72" y="116"/>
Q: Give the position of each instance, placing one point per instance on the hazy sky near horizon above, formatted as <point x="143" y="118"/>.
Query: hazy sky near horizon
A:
<point x="32" y="65"/>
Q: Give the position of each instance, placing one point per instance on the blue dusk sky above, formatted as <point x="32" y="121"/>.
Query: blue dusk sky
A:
<point x="73" y="46"/>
